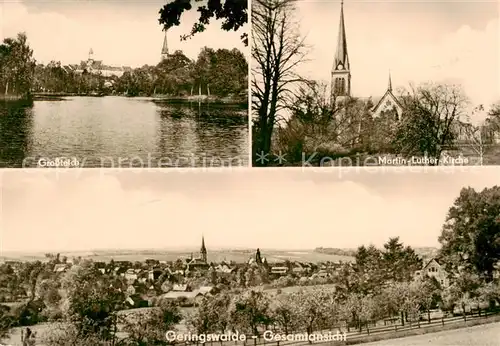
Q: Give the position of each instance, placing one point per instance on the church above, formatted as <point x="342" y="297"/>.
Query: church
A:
<point x="341" y="78"/>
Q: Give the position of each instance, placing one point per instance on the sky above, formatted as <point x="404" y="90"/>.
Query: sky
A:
<point x="248" y="208"/>
<point x="416" y="41"/>
<point x="122" y="33"/>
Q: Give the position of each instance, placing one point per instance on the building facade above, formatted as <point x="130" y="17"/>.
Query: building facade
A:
<point x="434" y="269"/>
<point x="93" y="66"/>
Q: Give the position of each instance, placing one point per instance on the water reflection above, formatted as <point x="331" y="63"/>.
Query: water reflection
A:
<point x="122" y="132"/>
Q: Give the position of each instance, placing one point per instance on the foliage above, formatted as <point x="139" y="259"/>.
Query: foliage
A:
<point x="92" y="301"/>
<point x="16" y="66"/>
<point x="430" y="118"/>
<point x="249" y="311"/>
<point x="6" y="321"/>
<point x="470" y="238"/>
<point x="149" y="327"/>
<point x="232" y="12"/>
<point x="212" y="315"/>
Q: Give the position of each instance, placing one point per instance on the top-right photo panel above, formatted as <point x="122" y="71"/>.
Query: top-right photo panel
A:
<point x="375" y="83"/>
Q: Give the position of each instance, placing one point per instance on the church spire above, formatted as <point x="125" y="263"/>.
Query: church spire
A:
<point x="164" y="50"/>
<point x="203" y="250"/>
<point x="341" y="56"/>
<point x="390" y="82"/>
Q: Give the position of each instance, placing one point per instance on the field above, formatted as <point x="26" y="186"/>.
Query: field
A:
<point x="214" y="255"/>
<point x="483" y="335"/>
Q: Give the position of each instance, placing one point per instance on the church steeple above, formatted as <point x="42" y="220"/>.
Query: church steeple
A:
<point x="164" y="50"/>
<point x="389" y="87"/>
<point x="203" y="250"/>
<point x="341" y="74"/>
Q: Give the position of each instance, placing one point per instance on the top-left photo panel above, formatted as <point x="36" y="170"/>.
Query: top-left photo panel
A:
<point x="124" y="84"/>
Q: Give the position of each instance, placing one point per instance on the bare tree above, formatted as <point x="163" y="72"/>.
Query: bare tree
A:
<point x="432" y="114"/>
<point x="277" y="49"/>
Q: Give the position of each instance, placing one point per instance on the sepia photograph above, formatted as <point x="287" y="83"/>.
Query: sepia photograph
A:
<point x="382" y="257"/>
<point x="375" y="83"/>
<point x="120" y="84"/>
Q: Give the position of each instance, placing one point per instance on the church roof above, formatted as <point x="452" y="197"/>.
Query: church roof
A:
<point x="341" y="56"/>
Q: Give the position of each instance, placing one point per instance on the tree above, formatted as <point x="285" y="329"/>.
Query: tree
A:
<point x="16" y="66"/>
<point x="369" y="269"/>
<point x="470" y="237"/>
<point x="320" y="127"/>
<point x="31" y="273"/>
<point x="92" y="301"/>
<point x="314" y="308"/>
<point x="492" y="123"/>
<point x="277" y="49"/>
<point x="232" y="12"/>
<point x="284" y="313"/>
<point x="6" y="321"/>
<point x="431" y="115"/>
<point x="211" y="316"/>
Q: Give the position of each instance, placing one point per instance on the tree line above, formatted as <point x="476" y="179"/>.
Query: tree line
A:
<point x="220" y="72"/>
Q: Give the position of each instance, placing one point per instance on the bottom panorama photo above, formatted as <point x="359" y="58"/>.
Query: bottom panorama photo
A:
<point x="250" y="257"/>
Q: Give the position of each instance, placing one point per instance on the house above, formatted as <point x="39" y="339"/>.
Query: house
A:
<point x="186" y="298"/>
<point x="206" y="290"/>
<point x="131" y="275"/>
<point x="181" y="288"/>
<point x="434" y="269"/>
<point x="223" y="268"/>
<point x="298" y="268"/>
<point x="323" y="273"/>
